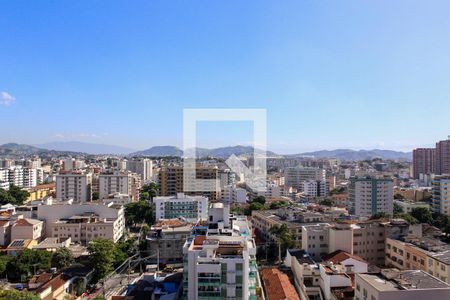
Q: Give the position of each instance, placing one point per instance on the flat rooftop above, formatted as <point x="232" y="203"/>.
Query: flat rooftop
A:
<point x="392" y="280"/>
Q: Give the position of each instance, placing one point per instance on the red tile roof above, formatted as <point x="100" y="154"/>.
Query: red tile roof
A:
<point x="277" y="285"/>
<point x="339" y="256"/>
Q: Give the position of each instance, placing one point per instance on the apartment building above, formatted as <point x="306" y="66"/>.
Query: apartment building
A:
<point x="19" y="176"/>
<point x="424" y="160"/>
<point x="82" y="222"/>
<point x="440" y="202"/>
<point x="370" y="195"/>
<point x="306" y="274"/>
<point x="295" y="176"/>
<point x="262" y="221"/>
<point x="221" y="264"/>
<point x="408" y="206"/>
<point x="315" y="188"/>
<point x="41" y="191"/>
<point x="168" y="237"/>
<point x="315" y="239"/>
<point x="74" y="185"/>
<point x="71" y="164"/>
<point x="443" y="157"/>
<point x="426" y="254"/>
<point x="143" y="167"/>
<point x="392" y="284"/>
<point x="181" y="206"/>
<point x="233" y="194"/>
<point x="119" y="182"/>
<point x="171" y="182"/>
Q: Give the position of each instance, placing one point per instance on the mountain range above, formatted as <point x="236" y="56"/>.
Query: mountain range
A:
<point x="89" y="148"/>
<point x="77" y="148"/>
<point x="15" y="150"/>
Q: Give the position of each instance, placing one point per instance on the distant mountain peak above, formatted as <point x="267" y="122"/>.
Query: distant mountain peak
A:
<point x="90" y="148"/>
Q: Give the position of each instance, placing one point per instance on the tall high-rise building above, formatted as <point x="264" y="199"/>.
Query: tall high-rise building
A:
<point x="370" y="195"/>
<point x="143" y="167"/>
<point x="20" y="176"/>
<point x="171" y="182"/>
<point x="295" y="176"/>
<point x="119" y="182"/>
<point x="424" y="160"/>
<point x="222" y="263"/>
<point x="441" y="194"/>
<point x="443" y="157"/>
<point x="74" y="185"/>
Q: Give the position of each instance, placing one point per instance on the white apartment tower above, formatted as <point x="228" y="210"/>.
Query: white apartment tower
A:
<point x="119" y="182"/>
<point x="441" y="194"/>
<point x="222" y="263"/>
<point x="23" y="177"/>
<point x="143" y="167"/>
<point x="75" y="185"/>
<point x="369" y="195"/>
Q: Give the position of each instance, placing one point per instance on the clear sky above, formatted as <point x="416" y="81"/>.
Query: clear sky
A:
<point x="331" y="74"/>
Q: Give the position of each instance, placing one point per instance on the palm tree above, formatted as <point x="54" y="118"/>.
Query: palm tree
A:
<point x="284" y="238"/>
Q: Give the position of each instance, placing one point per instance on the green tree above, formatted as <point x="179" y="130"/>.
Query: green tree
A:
<point x="28" y="262"/>
<point x="16" y="295"/>
<point x="278" y="204"/>
<point x="326" y="202"/>
<point x="408" y="218"/>
<point x="259" y="199"/>
<point x="399" y="196"/>
<point x="440" y="220"/>
<point x="18" y="194"/>
<point x="150" y="191"/>
<point x="379" y="215"/>
<point x="422" y="214"/>
<point x="139" y="212"/>
<point x="143" y="196"/>
<point x="102" y="254"/>
<point x="6" y="198"/>
<point x="4" y="260"/>
<point x="284" y="237"/>
<point x="398" y="210"/>
<point x="253" y="206"/>
<point x="62" y="258"/>
<point x="337" y="190"/>
<point x="95" y="196"/>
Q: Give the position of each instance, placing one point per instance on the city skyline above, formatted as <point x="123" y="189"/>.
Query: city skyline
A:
<point x="329" y="77"/>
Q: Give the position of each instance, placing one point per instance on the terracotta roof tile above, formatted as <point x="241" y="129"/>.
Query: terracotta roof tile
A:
<point x="278" y="286"/>
<point x="339" y="256"/>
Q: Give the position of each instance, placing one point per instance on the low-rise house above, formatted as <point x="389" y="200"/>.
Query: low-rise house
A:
<point x="53" y="243"/>
<point x="27" y="229"/>
<point x="17" y="246"/>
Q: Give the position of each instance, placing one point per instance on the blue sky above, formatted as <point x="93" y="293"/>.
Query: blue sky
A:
<point x="331" y="74"/>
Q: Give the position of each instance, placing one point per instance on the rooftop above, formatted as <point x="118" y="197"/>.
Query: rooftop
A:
<point x="277" y="285"/>
<point x="302" y="256"/>
<point x="393" y="279"/>
<point x="339" y="256"/>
